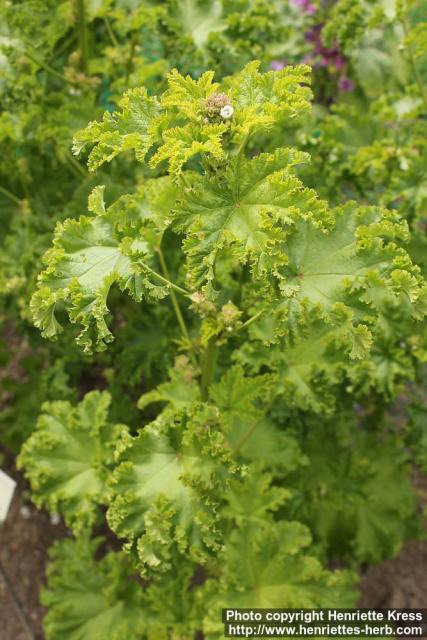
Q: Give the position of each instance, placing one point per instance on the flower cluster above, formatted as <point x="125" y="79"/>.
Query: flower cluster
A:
<point x="328" y="57"/>
<point x="218" y="105"/>
<point x="305" y="5"/>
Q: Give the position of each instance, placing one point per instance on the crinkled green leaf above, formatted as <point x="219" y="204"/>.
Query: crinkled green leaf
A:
<point x="254" y="498"/>
<point x="92" y="599"/>
<point x="244" y="403"/>
<point x="68" y="457"/>
<point x="126" y="129"/>
<point x="356" y="497"/>
<point x="117" y="245"/>
<point x="179" y="392"/>
<point x="249" y="208"/>
<point x="268" y="567"/>
<point x="167" y="487"/>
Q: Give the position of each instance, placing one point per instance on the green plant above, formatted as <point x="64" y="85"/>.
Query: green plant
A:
<point x="62" y="63"/>
<point x="289" y="311"/>
<point x="249" y="267"/>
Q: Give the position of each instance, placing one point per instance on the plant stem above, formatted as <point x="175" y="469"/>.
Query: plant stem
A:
<point x="130" y="59"/>
<point x="165" y="281"/>
<point x="242" y="146"/>
<point x="65" y="44"/>
<point x="73" y="171"/>
<point x="110" y="32"/>
<point x="177" y="310"/>
<point x="254" y="318"/>
<point x="208" y="368"/>
<point x="71" y="159"/>
<point x="82" y="34"/>
<point x="419" y="81"/>
<point x="11" y="196"/>
<point x="24" y="184"/>
<point x="47" y="67"/>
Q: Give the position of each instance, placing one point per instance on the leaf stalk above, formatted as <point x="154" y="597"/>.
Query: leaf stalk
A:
<point x="208" y="368"/>
<point x="82" y="34"/>
<point x="177" y="309"/>
<point x="9" y="195"/>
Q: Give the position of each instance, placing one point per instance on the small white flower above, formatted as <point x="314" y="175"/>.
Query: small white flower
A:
<point x="227" y="111"/>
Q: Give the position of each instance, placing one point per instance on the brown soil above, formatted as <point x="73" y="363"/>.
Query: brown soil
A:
<point x="400" y="583"/>
<point x="28" y="533"/>
<point x="24" y="540"/>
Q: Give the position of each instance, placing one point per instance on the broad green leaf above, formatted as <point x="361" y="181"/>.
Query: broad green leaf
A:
<point x="254" y="499"/>
<point x="92" y="599"/>
<point x="268" y="567"/>
<point x="357" y="497"/>
<point x="68" y="457"/>
<point x="120" y="131"/>
<point x="244" y="403"/>
<point x="180" y="391"/>
<point x="248" y="209"/>
<point x="116" y="246"/>
<point x="167" y="487"/>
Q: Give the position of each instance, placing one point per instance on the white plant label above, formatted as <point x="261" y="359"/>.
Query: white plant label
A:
<point x="7" y="487"/>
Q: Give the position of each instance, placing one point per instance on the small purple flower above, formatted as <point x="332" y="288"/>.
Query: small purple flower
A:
<point x="338" y="61"/>
<point x="305" y="5"/>
<point x="345" y="84"/>
<point x="313" y="34"/>
<point x="277" y="65"/>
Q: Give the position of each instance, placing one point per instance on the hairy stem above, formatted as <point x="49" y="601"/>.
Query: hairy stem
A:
<point x="82" y="34"/>
<point x="177" y="310"/>
<point x="208" y="368"/>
